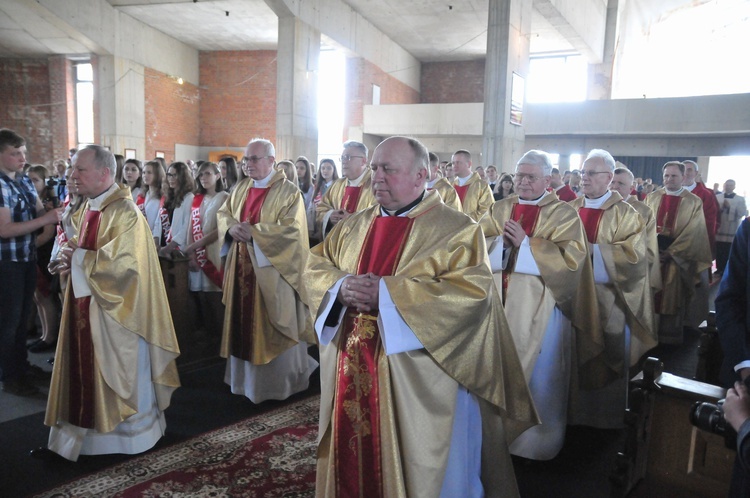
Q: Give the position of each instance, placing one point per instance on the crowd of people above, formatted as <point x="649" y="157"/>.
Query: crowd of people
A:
<point x="462" y="314"/>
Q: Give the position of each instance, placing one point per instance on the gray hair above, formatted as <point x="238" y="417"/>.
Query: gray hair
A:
<point x="605" y="156"/>
<point x="537" y="158"/>
<point x="357" y="145"/>
<point x="103" y="158"/>
<point x="268" y="148"/>
<point x="695" y="165"/>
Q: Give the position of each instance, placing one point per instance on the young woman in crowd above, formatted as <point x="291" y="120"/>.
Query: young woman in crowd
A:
<point x="304" y="176"/>
<point x="229" y="175"/>
<point x="178" y="202"/>
<point x="43" y="295"/>
<point x="289" y="170"/>
<point x="327" y="174"/>
<point x="132" y="173"/>
<point x="204" y="246"/>
<point x="150" y="200"/>
<point x="504" y="187"/>
<point x="120" y="162"/>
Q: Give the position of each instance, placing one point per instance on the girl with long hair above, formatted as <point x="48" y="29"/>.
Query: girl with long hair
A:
<point x="304" y="179"/>
<point x="504" y="187"/>
<point x="151" y="200"/>
<point x="327" y="174"/>
<point x="132" y="176"/>
<point x="229" y="174"/>
<point x="179" y="198"/>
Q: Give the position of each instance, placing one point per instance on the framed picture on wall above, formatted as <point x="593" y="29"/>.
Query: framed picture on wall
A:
<point x="129" y="153"/>
<point x="160" y="153"/>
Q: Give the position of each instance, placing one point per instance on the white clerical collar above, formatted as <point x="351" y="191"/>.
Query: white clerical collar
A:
<point x="533" y="202"/>
<point x="690" y="187"/>
<point x="404" y="210"/>
<point x="357" y="181"/>
<point x="462" y="181"/>
<point x="95" y="204"/>
<point x="596" y="203"/>
<point x="263" y="183"/>
<point x="675" y="192"/>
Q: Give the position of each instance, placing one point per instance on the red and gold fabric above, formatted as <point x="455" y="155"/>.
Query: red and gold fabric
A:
<point x="475" y="195"/>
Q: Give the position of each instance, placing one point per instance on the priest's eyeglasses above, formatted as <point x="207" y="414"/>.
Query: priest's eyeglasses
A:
<point x="592" y="173"/>
<point x="347" y="157"/>
<point x="251" y="159"/>
<point x="520" y="177"/>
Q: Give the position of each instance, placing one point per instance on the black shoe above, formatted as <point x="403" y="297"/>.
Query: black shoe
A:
<point x="40" y="346"/>
<point x="20" y="387"/>
<point x="34" y="372"/>
<point x="43" y="453"/>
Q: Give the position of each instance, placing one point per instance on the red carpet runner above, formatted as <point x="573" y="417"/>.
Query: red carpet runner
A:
<point x="268" y="455"/>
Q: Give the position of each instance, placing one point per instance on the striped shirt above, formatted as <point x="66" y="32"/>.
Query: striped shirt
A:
<point x="20" y="198"/>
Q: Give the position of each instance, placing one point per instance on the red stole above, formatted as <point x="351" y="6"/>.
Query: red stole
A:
<point x="214" y="274"/>
<point x="81" y="387"/>
<point x="461" y="191"/>
<point x="350" y="199"/>
<point x="244" y="291"/>
<point x="356" y="414"/>
<point x="89" y="230"/>
<point x="591" y="218"/>
<point x="667" y="214"/>
<point x="527" y="215"/>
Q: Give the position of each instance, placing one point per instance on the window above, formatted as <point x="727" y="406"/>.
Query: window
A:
<point x="560" y="78"/>
<point x="84" y="74"/>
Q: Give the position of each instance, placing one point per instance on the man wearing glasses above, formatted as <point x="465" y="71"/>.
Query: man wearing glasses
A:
<point x="349" y="194"/>
<point x="617" y="243"/>
<point x="264" y="324"/>
<point x="473" y="192"/>
<point x="541" y="265"/>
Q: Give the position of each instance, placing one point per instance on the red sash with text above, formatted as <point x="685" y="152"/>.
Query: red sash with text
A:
<point x="140" y="201"/>
<point x="461" y="191"/>
<point x="350" y="199"/>
<point x="215" y="275"/>
<point x="166" y="224"/>
<point x="244" y="290"/>
<point x="591" y="218"/>
<point x="527" y="216"/>
<point x="356" y="414"/>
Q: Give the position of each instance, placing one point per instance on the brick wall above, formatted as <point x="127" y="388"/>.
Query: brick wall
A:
<point x="25" y="105"/>
<point x="172" y="114"/>
<point x="361" y="75"/>
<point x="63" y="110"/>
<point x="238" y="97"/>
<point x="452" y="82"/>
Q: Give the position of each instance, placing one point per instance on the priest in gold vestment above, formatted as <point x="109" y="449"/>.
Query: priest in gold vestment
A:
<point x="415" y="401"/>
<point x="349" y="194"/>
<point x="443" y="186"/>
<point x="114" y="370"/>
<point x="538" y="254"/>
<point x="615" y="232"/>
<point x="265" y="323"/>
<point x="473" y="192"/>
<point x="684" y="250"/>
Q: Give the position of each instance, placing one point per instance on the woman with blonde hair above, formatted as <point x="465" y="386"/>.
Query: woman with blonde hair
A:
<point x="289" y="170"/>
<point x="206" y="274"/>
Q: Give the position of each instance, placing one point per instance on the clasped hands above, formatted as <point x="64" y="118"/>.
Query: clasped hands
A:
<point x="339" y="215"/>
<point x="61" y="265"/>
<point x="513" y="234"/>
<point x="360" y="292"/>
<point x="241" y="232"/>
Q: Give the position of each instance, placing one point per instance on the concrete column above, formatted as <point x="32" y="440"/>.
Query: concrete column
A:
<point x="121" y="96"/>
<point x="297" y="89"/>
<point x="600" y="75"/>
<point x="508" y="30"/>
<point x="563" y="163"/>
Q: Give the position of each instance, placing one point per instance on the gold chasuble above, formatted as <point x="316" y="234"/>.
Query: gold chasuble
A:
<point x="559" y="248"/>
<point x="341" y="196"/>
<point x="681" y="229"/>
<point x="94" y="379"/>
<point x="654" y="271"/>
<point x="265" y="315"/>
<point x="475" y="196"/>
<point x="617" y="229"/>
<point x="448" y="193"/>
<point x="386" y="421"/>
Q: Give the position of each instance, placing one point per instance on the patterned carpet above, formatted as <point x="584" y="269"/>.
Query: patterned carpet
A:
<point x="269" y="455"/>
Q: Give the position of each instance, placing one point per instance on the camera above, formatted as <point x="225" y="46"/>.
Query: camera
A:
<point x="709" y="417"/>
<point x="54" y="182"/>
